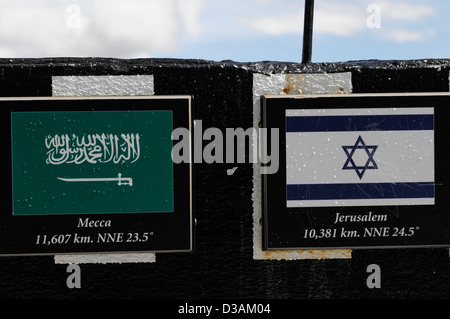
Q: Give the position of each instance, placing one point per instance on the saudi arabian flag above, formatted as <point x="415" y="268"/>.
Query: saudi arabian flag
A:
<point x="92" y="162"/>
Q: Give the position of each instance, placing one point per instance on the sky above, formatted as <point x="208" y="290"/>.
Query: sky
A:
<point x="238" y="30"/>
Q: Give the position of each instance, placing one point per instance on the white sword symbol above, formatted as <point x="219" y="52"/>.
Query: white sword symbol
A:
<point x="119" y="179"/>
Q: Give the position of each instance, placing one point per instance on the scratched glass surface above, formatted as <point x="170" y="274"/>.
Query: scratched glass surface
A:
<point x="92" y="162"/>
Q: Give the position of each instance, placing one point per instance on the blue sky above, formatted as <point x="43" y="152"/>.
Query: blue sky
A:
<point x="239" y="30"/>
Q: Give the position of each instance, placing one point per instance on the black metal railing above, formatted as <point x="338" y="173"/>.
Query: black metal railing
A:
<point x="308" y="31"/>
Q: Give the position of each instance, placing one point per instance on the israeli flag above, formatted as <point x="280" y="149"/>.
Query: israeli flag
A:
<point x="360" y="157"/>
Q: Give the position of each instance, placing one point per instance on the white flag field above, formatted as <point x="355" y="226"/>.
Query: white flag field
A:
<point x="360" y="157"/>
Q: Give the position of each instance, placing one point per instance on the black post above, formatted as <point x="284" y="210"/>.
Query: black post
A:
<point x="308" y="31"/>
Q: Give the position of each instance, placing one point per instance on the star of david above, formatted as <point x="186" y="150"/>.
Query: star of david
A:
<point x="350" y="151"/>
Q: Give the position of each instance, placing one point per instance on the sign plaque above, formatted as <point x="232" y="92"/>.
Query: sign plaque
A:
<point x="358" y="171"/>
<point x="94" y="174"/>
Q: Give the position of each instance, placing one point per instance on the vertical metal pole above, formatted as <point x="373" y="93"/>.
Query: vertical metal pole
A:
<point x="308" y="31"/>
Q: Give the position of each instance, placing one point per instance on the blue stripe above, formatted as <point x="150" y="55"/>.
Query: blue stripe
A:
<point x="360" y="191"/>
<point x="359" y="123"/>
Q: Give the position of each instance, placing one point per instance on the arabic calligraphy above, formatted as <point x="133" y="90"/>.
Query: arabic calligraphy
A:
<point x="92" y="148"/>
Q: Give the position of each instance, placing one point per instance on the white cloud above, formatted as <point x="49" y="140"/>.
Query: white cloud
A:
<point x="403" y="11"/>
<point x="404" y="35"/>
<point x="190" y="11"/>
<point x="329" y="18"/>
<point x="140" y="28"/>
<point x="32" y="24"/>
<point x="275" y="25"/>
<point x="113" y="28"/>
<point x="134" y="25"/>
<point x="404" y="22"/>
<point x="6" y="51"/>
<point x="347" y="19"/>
<point x="339" y="18"/>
